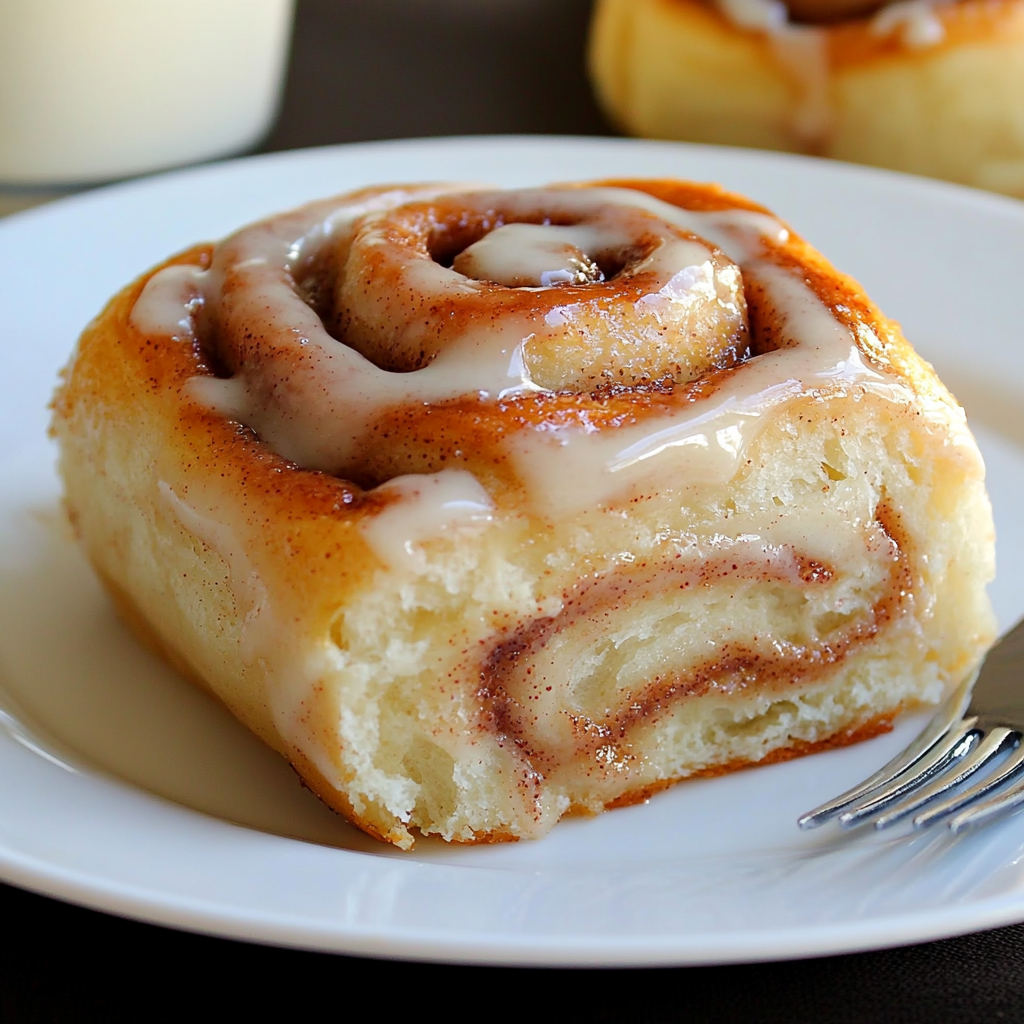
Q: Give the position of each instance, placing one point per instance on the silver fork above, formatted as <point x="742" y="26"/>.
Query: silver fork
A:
<point x="981" y="720"/>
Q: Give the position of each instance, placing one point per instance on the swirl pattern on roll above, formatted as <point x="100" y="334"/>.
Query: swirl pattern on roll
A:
<point x="575" y="313"/>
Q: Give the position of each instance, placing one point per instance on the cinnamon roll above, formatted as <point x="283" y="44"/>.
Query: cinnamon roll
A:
<point x="933" y="87"/>
<point x="487" y="507"/>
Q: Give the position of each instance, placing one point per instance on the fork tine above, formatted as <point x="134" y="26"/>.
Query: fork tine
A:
<point x="970" y="803"/>
<point x="951" y="748"/>
<point x="944" y="720"/>
<point x="994" y="743"/>
<point x="1001" y="803"/>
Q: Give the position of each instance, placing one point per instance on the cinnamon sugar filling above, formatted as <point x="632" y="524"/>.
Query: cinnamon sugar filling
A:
<point x="520" y="699"/>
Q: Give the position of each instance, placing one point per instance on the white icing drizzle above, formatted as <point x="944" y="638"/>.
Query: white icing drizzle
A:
<point x="534" y="255"/>
<point x="756" y="15"/>
<point x="915" y="21"/>
<point x="803" y="50"/>
<point x="427" y="505"/>
<point x="316" y="412"/>
<point x="218" y="535"/>
<point x="291" y="663"/>
<point x="169" y="303"/>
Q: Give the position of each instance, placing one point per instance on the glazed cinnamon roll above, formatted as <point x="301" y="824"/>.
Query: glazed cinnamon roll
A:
<point x="933" y="87"/>
<point x="488" y="507"/>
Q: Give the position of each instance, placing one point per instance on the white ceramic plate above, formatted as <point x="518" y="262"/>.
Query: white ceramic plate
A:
<point x="124" y="789"/>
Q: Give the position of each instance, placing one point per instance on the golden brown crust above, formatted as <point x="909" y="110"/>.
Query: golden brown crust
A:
<point x="801" y="748"/>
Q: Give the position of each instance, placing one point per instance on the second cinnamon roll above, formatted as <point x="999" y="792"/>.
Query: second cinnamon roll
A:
<point x="933" y="87"/>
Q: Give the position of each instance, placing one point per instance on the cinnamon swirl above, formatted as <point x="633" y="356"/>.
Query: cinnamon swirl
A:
<point x="933" y="87"/>
<point x="488" y="507"/>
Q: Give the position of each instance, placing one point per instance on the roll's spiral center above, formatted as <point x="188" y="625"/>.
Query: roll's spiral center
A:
<point x="576" y="287"/>
<point x="531" y="255"/>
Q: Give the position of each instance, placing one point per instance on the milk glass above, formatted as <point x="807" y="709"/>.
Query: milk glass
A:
<point x="93" y="90"/>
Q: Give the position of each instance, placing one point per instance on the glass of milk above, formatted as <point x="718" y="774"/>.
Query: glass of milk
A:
<point x="93" y="90"/>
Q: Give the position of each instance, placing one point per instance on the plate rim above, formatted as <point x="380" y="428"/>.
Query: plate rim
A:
<point x="137" y="903"/>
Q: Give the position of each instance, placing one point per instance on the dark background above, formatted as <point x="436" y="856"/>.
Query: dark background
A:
<point x="385" y="69"/>
<point x="375" y="69"/>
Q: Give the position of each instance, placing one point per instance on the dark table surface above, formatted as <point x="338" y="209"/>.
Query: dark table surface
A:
<point x="385" y="69"/>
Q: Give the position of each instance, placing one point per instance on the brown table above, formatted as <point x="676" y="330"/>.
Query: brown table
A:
<point x="373" y="69"/>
